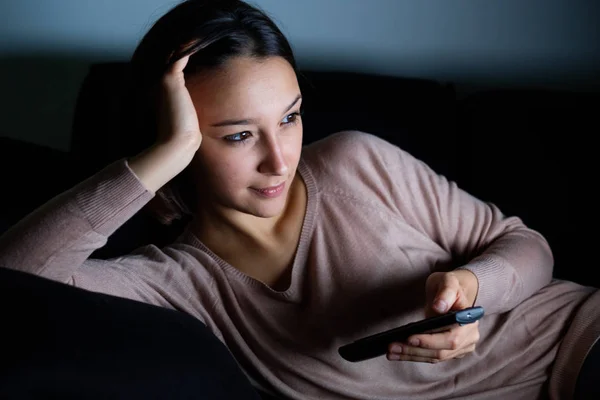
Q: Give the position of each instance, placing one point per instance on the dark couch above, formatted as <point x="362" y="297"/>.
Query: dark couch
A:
<point x="519" y="148"/>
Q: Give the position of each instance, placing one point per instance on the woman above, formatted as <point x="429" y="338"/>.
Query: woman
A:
<point x="293" y="252"/>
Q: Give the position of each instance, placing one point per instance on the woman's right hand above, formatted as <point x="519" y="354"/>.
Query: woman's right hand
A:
<point x="177" y="120"/>
<point x="179" y="134"/>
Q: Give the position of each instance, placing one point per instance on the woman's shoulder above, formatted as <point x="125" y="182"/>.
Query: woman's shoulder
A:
<point x="357" y="164"/>
<point x="352" y="154"/>
<point x="339" y="143"/>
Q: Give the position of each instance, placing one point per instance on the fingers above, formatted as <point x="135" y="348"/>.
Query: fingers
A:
<point x="407" y="353"/>
<point x="174" y="75"/>
<point x="178" y="117"/>
<point x="179" y="65"/>
<point x="452" y="339"/>
<point x="453" y="343"/>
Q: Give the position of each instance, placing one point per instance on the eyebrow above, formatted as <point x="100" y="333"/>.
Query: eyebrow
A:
<point x="249" y="121"/>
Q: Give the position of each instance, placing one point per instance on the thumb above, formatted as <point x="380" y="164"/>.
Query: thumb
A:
<point x="444" y="300"/>
<point x="447" y="295"/>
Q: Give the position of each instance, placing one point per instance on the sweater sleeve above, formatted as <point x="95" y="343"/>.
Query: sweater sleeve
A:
<point x="56" y="239"/>
<point x="510" y="260"/>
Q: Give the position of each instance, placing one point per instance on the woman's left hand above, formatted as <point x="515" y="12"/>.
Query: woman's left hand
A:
<point x="445" y="291"/>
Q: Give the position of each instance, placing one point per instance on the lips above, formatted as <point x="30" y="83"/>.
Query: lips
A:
<point x="272" y="191"/>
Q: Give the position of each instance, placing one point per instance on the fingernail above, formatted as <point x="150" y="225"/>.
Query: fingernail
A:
<point x="394" y="357"/>
<point x="396" y="349"/>
<point x="440" y="305"/>
<point x="414" y="342"/>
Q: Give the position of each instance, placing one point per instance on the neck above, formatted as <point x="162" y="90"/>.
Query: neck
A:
<point x="225" y="228"/>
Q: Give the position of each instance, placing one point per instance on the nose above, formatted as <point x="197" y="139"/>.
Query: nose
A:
<point x="273" y="161"/>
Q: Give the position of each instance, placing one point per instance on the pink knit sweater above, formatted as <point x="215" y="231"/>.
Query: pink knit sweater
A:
<point x="378" y="222"/>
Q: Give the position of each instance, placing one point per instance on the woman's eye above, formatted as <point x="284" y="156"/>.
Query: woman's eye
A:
<point x="238" y="137"/>
<point x="291" y="118"/>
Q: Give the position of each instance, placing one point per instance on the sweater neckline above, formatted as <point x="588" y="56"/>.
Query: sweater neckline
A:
<point x="293" y="292"/>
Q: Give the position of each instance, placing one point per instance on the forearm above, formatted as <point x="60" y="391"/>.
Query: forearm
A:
<point x="162" y="162"/>
<point x="58" y="237"/>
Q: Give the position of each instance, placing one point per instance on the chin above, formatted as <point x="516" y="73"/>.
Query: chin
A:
<point x="268" y="210"/>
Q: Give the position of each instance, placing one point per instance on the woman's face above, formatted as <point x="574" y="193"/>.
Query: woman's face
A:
<point x="248" y="113"/>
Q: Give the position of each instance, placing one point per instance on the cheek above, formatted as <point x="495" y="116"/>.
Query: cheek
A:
<point x="226" y="173"/>
<point x="231" y="177"/>
<point x="293" y="147"/>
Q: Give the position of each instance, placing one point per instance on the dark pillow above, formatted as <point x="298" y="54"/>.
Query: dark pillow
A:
<point x="68" y="343"/>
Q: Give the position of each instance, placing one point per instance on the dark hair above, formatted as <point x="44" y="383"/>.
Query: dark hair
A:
<point x="212" y="31"/>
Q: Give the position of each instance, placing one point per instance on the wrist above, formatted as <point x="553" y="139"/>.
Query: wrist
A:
<point x="160" y="163"/>
<point x="187" y="144"/>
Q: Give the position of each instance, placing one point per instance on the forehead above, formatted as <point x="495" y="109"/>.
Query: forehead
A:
<point x="244" y="85"/>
